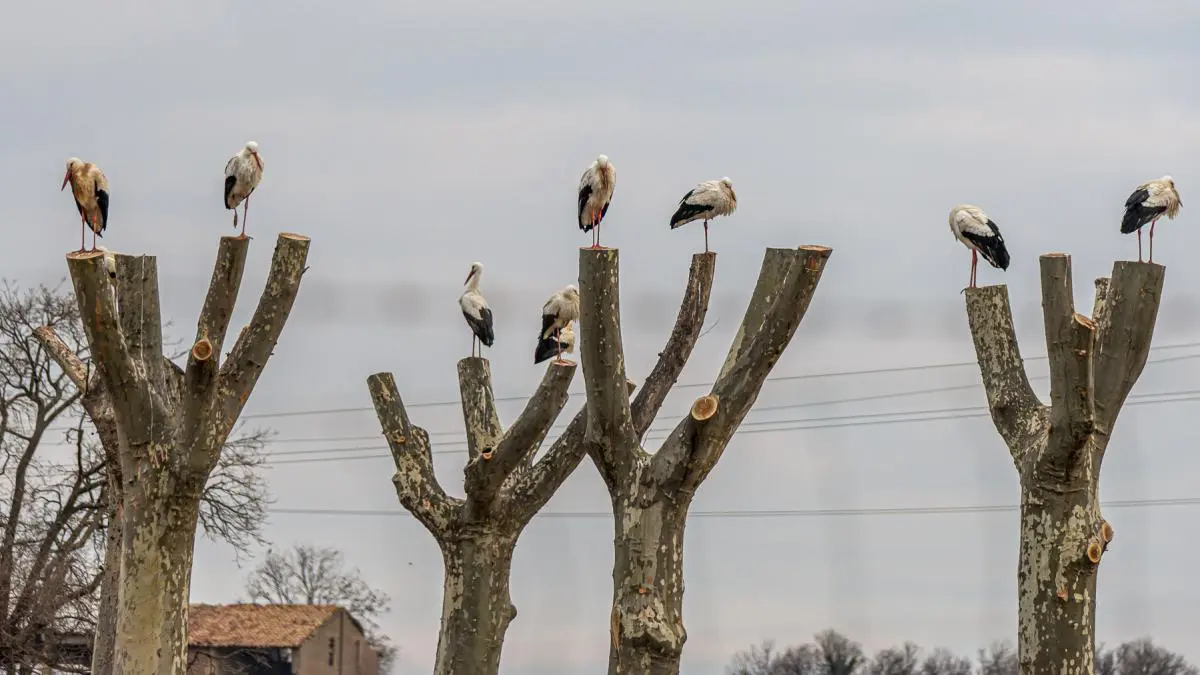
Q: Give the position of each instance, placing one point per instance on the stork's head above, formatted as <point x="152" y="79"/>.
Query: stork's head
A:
<point x="476" y="270"/>
<point x="252" y="150"/>
<point x="602" y="161"/>
<point x="71" y="164"/>
<point x="571" y="293"/>
<point x="1168" y="180"/>
<point x="725" y="183"/>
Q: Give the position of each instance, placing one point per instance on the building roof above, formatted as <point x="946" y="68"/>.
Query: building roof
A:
<point x="254" y="625"/>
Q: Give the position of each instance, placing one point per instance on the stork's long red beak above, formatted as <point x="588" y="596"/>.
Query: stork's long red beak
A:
<point x="66" y="178"/>
<point x="257" y="160"/>
<point x="468" y="277"/>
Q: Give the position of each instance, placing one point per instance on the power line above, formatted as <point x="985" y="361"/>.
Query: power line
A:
<point x="778" y="513"/>
<point x="779" y="378"/>
<point x="790" y="425"/>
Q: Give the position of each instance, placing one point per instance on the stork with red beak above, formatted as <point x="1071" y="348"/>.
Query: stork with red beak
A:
<point x="242" y="174"/>
<point x="90" y="189"/>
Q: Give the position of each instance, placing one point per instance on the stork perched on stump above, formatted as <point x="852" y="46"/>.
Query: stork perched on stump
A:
<point x="561" y="342"/>
<point x="476" y="311"/>
<point x="1149" y="202"/>
<point x="979" y="233"/>
<point x="596" y="187"/>
<point x="706" y="201"/>
<point x="557" y="314"/>
<point x="243" y="172"/>
<point x="90" y="189"/>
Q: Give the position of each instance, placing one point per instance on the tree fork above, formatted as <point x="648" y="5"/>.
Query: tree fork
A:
<point x="171" y="423"/>
<point x="651" y="493"/>
<point x="1058" y="448"/>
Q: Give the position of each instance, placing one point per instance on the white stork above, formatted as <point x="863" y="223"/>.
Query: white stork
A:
<point x="1149" y="202"/>
<point x="706" y="201"/>
<point x="476" y="311"/>
<point x="90" y="189"/>
<point x="596" y="187"/>
<point x="559" y="311"/>
<point x="243" y="171"/>
<point x="561" y="343"/>
<point x="979" y="233"/>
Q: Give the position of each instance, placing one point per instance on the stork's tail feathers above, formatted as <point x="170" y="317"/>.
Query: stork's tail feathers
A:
<point x="1137" y="216"/>
<point x="994" y="251"/>
<point x="546" y="348"/>
<point x="685" y="213"/>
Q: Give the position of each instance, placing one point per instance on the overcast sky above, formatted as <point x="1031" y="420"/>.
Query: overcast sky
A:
<point x="409" y="140"/>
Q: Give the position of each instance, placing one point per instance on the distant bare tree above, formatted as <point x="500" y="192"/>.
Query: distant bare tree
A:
<point x="999" y="659"/>
<point x="306" y="574"/>
<point x="60" y="495"/>
<point x="1142" y="657"/>
<point x="1058" y="448"/>
<point x="945" y="662"/>
<point x="757" y="660"/>
<point x="903" y="660"/>
<point x="839" y="654"/>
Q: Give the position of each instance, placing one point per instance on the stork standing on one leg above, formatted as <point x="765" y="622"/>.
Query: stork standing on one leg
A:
<point x="90" y="189"/>
<point x="1149" y="202"/>
<point x="596" y="187"/>
<point x="979" y="233"/>
<point x="705" y="201"/>
<point x="243" y="171"/>
<point x="562" y="342"/>
<point x="476" y="311"/>
<point x="559" y="311"/>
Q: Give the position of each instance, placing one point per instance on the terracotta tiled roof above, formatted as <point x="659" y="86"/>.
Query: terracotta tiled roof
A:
<point x="254" y="625"/>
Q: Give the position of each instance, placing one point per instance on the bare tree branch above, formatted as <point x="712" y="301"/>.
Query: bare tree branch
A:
<point x="479" y="408"/>
<point x="692" y="450"/>
<point x="1131" y="306"/>
<point x="1018" y="414"/>
<point x="489" y="469"/>
<point x="678" y="350"/>
<point x="416" y="484"/>
<point x="610" y="422"/>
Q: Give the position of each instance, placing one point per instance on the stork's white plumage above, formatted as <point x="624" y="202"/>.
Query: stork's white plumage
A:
<point x="596" y="187"/>
<point x="1149" y="202"/>
<point x="243" y="172"/>
<point x="476" y="311"/>
<point x="89" y="187"/>
<point x="979" y="233"/>
<point x="706" y="201"/>
<point x="562" y="342"/>
<point x="559" y="311"/>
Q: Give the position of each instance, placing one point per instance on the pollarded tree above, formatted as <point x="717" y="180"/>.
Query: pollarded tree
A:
<point x="1058" y="448"/>
<point x="504" y="487"/>
<point x="651" y="493"/>
<point x="172" y="423"/>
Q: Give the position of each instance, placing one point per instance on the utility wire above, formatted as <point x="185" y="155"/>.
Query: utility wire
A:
<point x="779" y="378"/>
<point x="789" y="425"/>
<point x="777" y="513"/>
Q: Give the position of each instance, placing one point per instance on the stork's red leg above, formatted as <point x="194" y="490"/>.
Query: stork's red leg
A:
<point x="82" y="235"/>
<point x="706" y="236"/>
<point x="974" y="265"/>
<point x="1152" y="224"/>
<point x="245" y="214"/>
<point x="1139" y="244"/>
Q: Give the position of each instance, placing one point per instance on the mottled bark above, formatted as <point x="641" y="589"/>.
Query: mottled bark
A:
<point x="651" y="493"/>
<point x="1058" y="448"/>
<point x="169" y="425"/>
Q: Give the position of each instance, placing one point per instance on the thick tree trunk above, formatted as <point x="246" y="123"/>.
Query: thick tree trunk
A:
<point x="651" y="493"/>
<point x="156" y="572"/>
<point x="476" y="606"/>
<point x="1058" y="448"/>
<point x="647" y="616"/>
